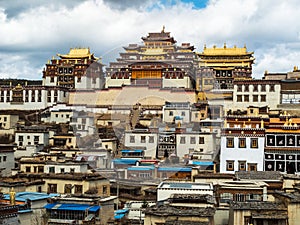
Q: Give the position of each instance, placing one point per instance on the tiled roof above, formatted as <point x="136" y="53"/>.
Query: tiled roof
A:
<point x="258" y="175"/>
<point x="257" y="206"/>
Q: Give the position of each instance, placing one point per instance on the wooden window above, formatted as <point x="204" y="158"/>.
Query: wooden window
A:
<point x="246" y="88"/>
<point x="229" y="165"/>
<point x="239" y="88"/>
<point x="143" y="139"/>
<point x="201" y="140"/>
<point x="255" y="87"/>
<point x="263" y="88"/>
<point x="242" y="165"/>
<point x="230" y="143"/>
<point x="252" y="166"/>
<point x="78" y="189"/>
<point x="68" y="188"/>
<point x="52" y="188"/>
<point x="242" y="142"/>
<point x="132" y="139"/>
<point x="239" y="98"/>
<point x="255" y="98"/>
<point x="254" y="143"/>
<point x="246" y="98"/>
<point x="182" y="140"/>
<point x="272" y="88"/>
<point x="192" y="140"/>
<point x="151" y="139"/>
<point x="263" y="98"/>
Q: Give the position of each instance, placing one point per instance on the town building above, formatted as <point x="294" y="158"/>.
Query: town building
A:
<point x="242" y="144"/>
<point x="158" y="62"/>
<point x="282" y="144"/>
<point x="258" y="93"/>
<point x="79" y="69"/>
<point x="7" y="159"/>
<point x="166" y="189"/>
<point x="220" y="66"/>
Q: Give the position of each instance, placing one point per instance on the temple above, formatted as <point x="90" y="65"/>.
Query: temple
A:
<point x="220" y="66"/>
<point x="79" y="69"/>
<point x="158" y="62"/>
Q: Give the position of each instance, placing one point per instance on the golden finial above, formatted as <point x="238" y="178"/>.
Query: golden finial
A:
<point x="204" y="46"/>
<point x="12" y="195"/>
<point x="163" y="29"/>
<point x="225" y="45"/>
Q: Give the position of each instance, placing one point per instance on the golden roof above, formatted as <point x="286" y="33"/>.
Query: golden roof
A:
<point x="225" y="51"/>
<point x="78" y="53"/>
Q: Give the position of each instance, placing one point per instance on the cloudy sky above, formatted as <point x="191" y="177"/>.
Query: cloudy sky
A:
<point x="32" y="31"/>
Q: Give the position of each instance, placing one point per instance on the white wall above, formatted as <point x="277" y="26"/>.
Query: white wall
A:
<point x="248" y="154"/>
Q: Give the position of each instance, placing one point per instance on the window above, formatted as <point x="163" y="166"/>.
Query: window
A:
<point x="5" y="118"/>
<point x="182" y="140"/>
<point x="68" y="188"/>
<point x="239" y="88"/>
<point x="104" y="189"/>
<point x="255" y="98"/>
<point x="254" y="143"/>
<point x="252" y="166"/>
<point x="52" y="79"/>
<point x="242" y="165"/>
<point x="36" y="140"/>
<point x="263" y="88"/>
<point x="4" y="158"/>
<point x="182" y="113"/>
<point x="52" y="188"/>
<point x="28" y="169"/>
<point x="62" y="170"/>
<point x="52" y="169"/>
<point x="20" y="138"/>
<point x="272" y="88"/>
<point x="143" y="139"/>
<point x="229" y="165"/>
<point x="171" y="113"/>
<point x="239" y="98"/>
<point x="246" y="98"/>
<point x="151" y="139"/>
<point x="242" y="142"/>
<point x="255" y="87"/>
<point x="78" y="189"/>
<point x="132" y="139"/>
<point x="263" y="98"/>
<point x="201" y="140"/>
<point x="246" y="87"/>
<point x="192" y="140"/>
<point x="230" y="143"/>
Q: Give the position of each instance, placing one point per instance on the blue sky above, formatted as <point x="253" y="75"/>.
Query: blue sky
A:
<point x="34" y="32"/>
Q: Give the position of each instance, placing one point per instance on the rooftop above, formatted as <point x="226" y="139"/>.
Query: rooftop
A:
<point x="257" y="205"/>
<point x="166" y="210"/>
<point x="258" y="175"/>
<point x="186" y="185"/>
<point x="32" y="196"/>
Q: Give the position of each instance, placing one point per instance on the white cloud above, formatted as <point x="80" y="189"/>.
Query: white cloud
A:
<point x="270" y="28"/>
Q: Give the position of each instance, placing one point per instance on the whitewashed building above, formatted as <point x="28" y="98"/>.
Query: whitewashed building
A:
<point x="166" y="189"/>
<point x="242" y="144"/>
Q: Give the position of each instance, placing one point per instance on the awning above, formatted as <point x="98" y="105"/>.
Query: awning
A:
<point x="132" y="151"/>
<point x="72" y="207"/>
<point x="203" y="163"/>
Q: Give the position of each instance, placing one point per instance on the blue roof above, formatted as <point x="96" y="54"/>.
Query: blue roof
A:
<point x="140" y="168"/>
<point x="131" y="151"/>
<point x="125" y="161"/>
<point x="119" y="214"/>
<point x="175" y="169"/>
<point x="121" y="211"/>
<point x="199" y="163"/>
<point x="181" y="185"/>
<point x="72" y="207"/>
<point x="178" y="118"/>
<point x="32" y="196"/>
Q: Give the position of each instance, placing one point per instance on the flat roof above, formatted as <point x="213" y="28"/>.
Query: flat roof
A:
<point x="32" y="196"/>
<point x="186" y="185"/>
